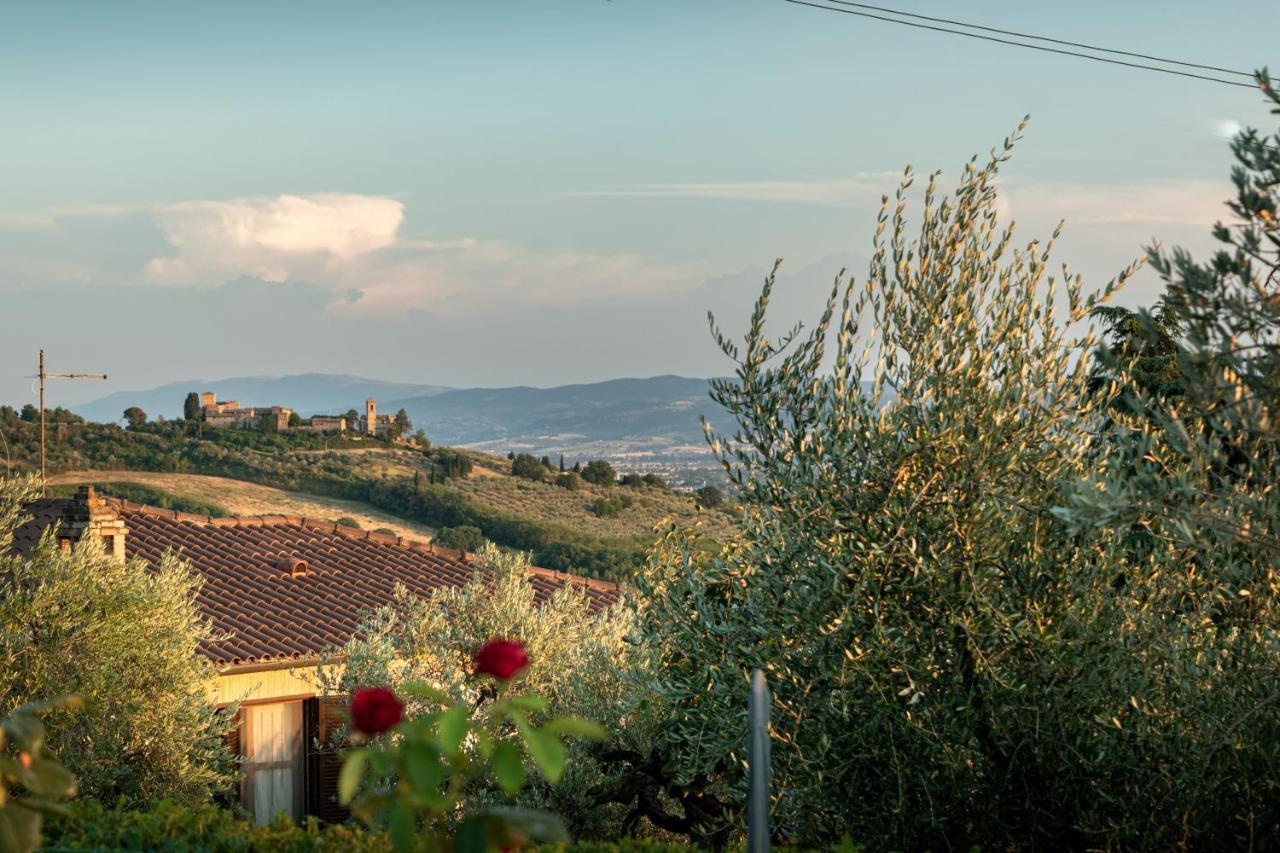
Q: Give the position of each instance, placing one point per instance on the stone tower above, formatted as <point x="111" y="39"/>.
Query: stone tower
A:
<point x="371" y="416"/>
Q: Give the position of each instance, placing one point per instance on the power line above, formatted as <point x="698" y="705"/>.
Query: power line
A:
<point x="1024" y="44"/>
<point x="1247" y="74"/>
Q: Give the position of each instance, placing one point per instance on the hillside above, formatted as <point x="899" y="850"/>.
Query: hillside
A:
<point x="384" y="485"/>
<point x="238" y="497"/>
<point x="650" y="425"/>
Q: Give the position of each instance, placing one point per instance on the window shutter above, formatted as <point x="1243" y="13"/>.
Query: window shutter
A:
<point x="232" y="742"/>
<point x="322" y="718"/>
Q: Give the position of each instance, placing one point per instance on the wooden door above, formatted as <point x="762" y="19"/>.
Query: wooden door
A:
<point x="272" y="743"/>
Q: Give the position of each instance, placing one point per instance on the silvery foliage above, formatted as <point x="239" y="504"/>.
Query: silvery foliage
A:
<point x="951" y="663"/>
<point x="123" y="636"/>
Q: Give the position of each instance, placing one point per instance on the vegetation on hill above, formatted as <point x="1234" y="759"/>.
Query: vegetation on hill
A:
<point x="437" y="486"/>
<point x="149" y="495"/>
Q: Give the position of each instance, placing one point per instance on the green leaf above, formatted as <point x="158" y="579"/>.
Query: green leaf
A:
<point x="422" y="766"/>
<point x="19" y="829"/>
<point x="48" y="778"/>
<point x="26" y="731"/>
<point x="471" y="836"/>
<point x="546" y="751"/>
<point x="508" y="768"/>
<point x="452" y="729"/>
<point x="352" y="774"/>
<point x="528" y="703"/>
<point x="402" y="827"/>
<point x="426" y="691"/>
<point x="576" y="726"/>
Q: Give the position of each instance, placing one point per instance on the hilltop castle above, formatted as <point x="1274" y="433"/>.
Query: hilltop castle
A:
<point x="229" y="413"/>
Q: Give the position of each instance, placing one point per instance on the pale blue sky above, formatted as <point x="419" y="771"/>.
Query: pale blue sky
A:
<point x="501" y="193"/>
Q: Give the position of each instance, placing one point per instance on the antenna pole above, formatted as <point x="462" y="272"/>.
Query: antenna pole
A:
<point x="42" y="477"/>
<point x="42" y="376"/>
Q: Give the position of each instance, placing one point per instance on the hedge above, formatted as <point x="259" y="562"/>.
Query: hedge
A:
<point x="210" y="829"/>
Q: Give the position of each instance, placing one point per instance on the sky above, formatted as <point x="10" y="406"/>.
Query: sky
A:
<point x="504" y="193"/>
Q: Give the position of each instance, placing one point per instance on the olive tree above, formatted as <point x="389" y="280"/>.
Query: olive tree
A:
<point x="122" y="636"/>
<point x="950" y="663"/>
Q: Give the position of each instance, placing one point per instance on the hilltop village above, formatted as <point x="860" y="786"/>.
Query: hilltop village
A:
<point x="229" y="413"/>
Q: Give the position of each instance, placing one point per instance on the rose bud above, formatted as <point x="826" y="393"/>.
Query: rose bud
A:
<point x="503" y="659"/>
<point x="374" y="710"/>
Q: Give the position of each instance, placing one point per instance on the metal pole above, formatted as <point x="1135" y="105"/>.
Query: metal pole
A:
<point x="42" y="479"/>
<point x="758" y="765"/>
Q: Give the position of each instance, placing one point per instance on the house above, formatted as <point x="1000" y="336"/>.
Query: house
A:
<point x="285" y="589"/>
<point x="228" y="413"/>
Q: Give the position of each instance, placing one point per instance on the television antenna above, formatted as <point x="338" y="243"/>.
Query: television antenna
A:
<point x="42" y="376"/>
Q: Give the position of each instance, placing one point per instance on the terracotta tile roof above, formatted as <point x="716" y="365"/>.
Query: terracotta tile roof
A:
<point x="287" y="588"/>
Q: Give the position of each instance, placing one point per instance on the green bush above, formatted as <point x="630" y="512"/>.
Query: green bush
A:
<point x="610" y="507"/>
<point x="528" y="467"/>
<point x="347" y="521"/>
<point x="464" y="538"/>
<point x="569" y="480"/>
<point x="599" y="472"/>
<point x="204" y="828"/>
<point x="143" y="494"/>
<point x="208" y="829"/>
<point x="575" y="662"/>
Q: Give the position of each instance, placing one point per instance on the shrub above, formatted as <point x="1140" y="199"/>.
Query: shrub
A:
<point x="709" y="497"/>
<point x="416" y="770"/>
<point x="569" y="480"/>
<point x="610" y="507"/>
<point x="348" y="521"/>
<point x="648" y="480"/>
<point x="527" y="466"/>
<point x="576" y="659"/>
<point x="205" y="828"/>
<point x="464" y="538"/>
<point x="451" y="463"/>
<point x="123" y="636"/>
<point x="599" y="472"/>
<point x="143" y="494"/>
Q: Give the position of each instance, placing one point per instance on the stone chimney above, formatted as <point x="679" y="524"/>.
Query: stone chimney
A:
<point x="371" y="416"/>
<point x="89" y="516"/>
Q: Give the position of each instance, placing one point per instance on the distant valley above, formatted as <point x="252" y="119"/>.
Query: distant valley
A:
<point x="646" y="425"/>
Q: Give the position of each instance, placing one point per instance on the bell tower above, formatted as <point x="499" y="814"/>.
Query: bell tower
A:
<point x="371" y="416"/>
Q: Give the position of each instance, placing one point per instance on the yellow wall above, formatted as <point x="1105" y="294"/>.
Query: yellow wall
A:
<point x="269" y="684"/>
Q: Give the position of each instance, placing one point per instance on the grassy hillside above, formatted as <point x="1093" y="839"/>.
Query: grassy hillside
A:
<point x="222" y="496"/>
<point x="386" y="484"/>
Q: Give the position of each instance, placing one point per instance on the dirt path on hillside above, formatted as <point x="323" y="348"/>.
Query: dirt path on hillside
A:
<point x="242" y="498"/>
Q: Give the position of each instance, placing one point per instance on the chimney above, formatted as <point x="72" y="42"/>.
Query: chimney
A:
<point x="371" y="416"/>
<point x="91" y="517"/>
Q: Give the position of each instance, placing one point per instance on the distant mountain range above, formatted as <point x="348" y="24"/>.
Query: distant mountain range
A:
<point x="305" y="393"/>
<point x="658" y="407"/>
<point x="643" y="424"/>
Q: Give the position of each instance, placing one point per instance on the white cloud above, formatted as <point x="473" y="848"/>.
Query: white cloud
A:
<point x="1197" y="203"/>
<point x="350" y="244"/>
<point x="274" y="238"/>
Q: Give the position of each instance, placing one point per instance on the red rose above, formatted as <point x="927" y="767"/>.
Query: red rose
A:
<point x="374" y="710"/>
<point x="502" y="659"/>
